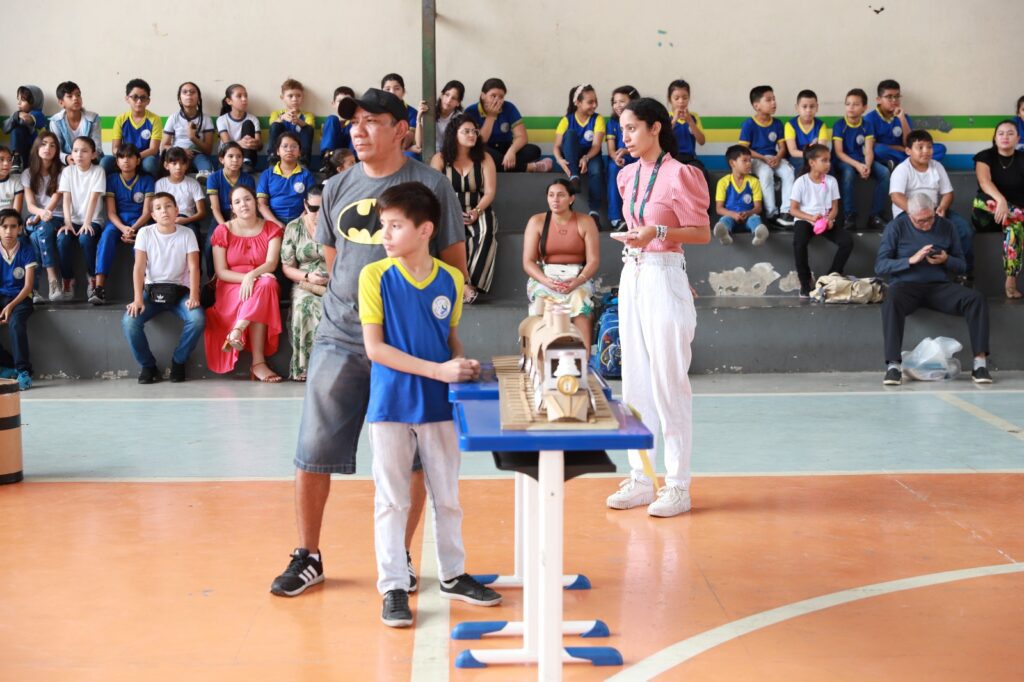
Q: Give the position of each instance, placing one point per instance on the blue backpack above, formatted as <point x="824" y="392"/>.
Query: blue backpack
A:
<point x="608" y="359"/>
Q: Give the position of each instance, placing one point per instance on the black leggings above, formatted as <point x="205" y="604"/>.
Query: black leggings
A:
<point x="525" y="156"/>
<point x="803" y="231"/>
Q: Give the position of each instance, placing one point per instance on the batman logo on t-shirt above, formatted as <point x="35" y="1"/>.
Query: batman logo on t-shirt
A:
<point x="359" y="223"/>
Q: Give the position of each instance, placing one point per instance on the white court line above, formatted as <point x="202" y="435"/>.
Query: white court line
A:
<point x="984" y="415"/>
<point x="509" y="476"/>
<point x="430" y="646"/>
<point x="680" y="652"/>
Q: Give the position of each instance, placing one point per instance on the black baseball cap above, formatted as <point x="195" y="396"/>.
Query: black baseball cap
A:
<point x="376" y="102"/>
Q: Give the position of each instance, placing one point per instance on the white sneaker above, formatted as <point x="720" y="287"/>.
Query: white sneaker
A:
<point x="671" y="501"/>
<point x="55" y="289"/>
<point x="760" y="235"/>
<point x="721" y="233"/>
<point x="631" y="493"/>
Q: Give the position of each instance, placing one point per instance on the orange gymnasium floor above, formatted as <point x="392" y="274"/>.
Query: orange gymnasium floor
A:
<point x="839" y="532"/>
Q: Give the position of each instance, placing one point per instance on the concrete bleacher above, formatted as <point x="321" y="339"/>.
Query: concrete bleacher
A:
<point x="749" y="320"/>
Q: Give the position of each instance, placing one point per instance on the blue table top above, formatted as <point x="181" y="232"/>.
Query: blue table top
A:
<point x="478" y="423"/>
<point x="486" y="387"/>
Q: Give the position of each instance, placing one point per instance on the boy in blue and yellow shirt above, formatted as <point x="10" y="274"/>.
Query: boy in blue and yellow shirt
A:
<point x="139" y="127"/>
<point x="805" y="128"/>
<point x="891" y="126"/>
<point x="738" y="199"/>
<point x="18" y="267"/>
<point x="764" y="135"/>
<point x="409" y="306"/>
<point x="854" y="148"/>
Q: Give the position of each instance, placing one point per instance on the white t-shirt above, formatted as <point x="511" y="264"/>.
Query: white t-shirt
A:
<point x="178" y="126"/>
<point x="42" y="198"/>
<point x="815" y="198"/>
<point x="226" y="124"/>
<point x="186" y="193"/>
<point x="906" y="180"/>
<point x="81" y="184"/>
<point x="9" y="188"/>
<point x="166" y="254"/>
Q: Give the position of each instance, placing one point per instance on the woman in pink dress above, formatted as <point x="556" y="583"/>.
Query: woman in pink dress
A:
<point x="247" y="314"/>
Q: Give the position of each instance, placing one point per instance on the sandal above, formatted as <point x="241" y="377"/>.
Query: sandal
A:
<point x="272" y="378"/>
<point x="234" y="340"/>
<point x="1012" y="291"/>
<point x="469" y="293"/>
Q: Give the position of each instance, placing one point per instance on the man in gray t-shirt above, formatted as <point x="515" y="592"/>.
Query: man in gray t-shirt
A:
<point x="338" y="378"/>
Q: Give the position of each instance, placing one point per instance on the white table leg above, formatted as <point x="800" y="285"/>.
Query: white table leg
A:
<point x="551" y="488"/>
<point x="531" y="570"/>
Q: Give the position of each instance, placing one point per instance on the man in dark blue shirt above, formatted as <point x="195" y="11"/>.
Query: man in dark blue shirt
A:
<point x="919" y="252"/>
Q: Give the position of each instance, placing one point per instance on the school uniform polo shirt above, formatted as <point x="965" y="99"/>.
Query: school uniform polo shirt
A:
<point x="853" y="136"/>
<point x="762" y="138"/>
<point x="738" y="198"/>
<point x="13" y="271"/>
<point x="275" y="117"/>
<point x="138" y="134"/>
<point x="220" y="187"/>
<point x="887" y="131"/>
<point x="130" y="195"/>
<point x="507" y="119"/>
<point x="417" y="318"/>
<point x="285" y="193"/>
<point x="816" y="133"/>
<point x="585" y="131"/>
<point x="684" y="136"/>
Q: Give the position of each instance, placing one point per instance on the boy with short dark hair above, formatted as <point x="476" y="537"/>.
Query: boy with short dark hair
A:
<point x="12" y="192"/>
<point x="129" y="196"/>
<point x="922" y="173"/>
<point x="294" y="120"/>
<point x="186" y="190"/>
<point x="24" y="124"/>
<point x="854" y="141"/>
<point x="166" y="279"/>
<point x="409" y="306"/>
<point x="138" y="126"/>
<point x="335" y="134"/>
<point x="738" y="199"/>
<point x="765" y="137"/>
<point x="74" y="121"/>
<point x="18" y="268"/>
<point x="891" y="126"/>
<point x="805" y="128"/>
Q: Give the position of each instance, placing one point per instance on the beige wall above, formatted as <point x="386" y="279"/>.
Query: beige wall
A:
<point x="950" y="55"/>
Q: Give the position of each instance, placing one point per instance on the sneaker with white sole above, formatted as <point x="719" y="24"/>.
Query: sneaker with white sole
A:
<point x="55" y="289"/>
<point x="721" y="233"/>
<point x="672" y="501"/>
<point x="760" y="235"/>
<point x="466" y="588"/>
<point x="303" y="571"/>
<point x="631" y="493"/>
<point x="396" y="612"/>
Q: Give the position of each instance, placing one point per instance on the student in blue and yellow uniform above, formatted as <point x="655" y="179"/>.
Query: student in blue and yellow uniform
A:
<point x="687" y="128"/>
<point x="765" y="136"/>
<point x="854" y="141"/>
<point x="395" y="84"/>
<point x="409" y="306"/>
<point x="618" y="155"/>
<point x="891" y="126"/>
<point x="293" y="119"/>
<point x="129" y="195"/>
<point x="281" y="191"/>
<point x="577" y="147"/>
<point x="503" y="131"/>
<point x="336" y="133"/>
<point x="738" y="199"/>
<point x="18" y="268"/>
<point x="805" y="129"/>
<point x="1019" y="120"/>
<point x="139" y="127"/>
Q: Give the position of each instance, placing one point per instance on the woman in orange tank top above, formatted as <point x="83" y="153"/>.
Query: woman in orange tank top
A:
<point x="561" y="254"/>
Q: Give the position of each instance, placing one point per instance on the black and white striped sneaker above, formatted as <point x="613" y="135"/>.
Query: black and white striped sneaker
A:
<point x="303" y="571"/>
<point x="413" y="583"/>
<point x="465" y="588"/>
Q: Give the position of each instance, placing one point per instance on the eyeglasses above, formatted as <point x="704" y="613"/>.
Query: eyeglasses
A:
<point x="139" y="98"/>
<point x="892" y="98"/>
<point x="313" y="208"/>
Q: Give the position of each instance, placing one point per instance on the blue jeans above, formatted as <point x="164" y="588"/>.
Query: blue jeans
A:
<point x="201" y="162"/>
<point x="614" y="198"/>
<point x="884" y="153"/>
<point x="22" y="137"/>
<point x="107" y="248"/>
<point x="847" y="179"/>
<point x="595" y="169"/>
<point x="191" y="333"/>
<point x="150" y="165"/>
<point x="18" y="357"/>
<point x="749" y="225"/>
<point x="87" y="242"/>
<point x="43" y="238"/>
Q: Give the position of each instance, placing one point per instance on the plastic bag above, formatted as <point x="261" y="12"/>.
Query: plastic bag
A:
<point x="932" y="359"/>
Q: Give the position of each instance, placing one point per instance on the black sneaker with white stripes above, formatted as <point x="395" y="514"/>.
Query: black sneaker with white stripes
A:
<point x="465" y="588"/>
<point x="303" y="571"/>
<point x="396" y="612"/>
<point x="412" y="573"/>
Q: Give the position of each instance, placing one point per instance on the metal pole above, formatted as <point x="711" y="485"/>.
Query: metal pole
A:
<point x="429" y="76"/>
